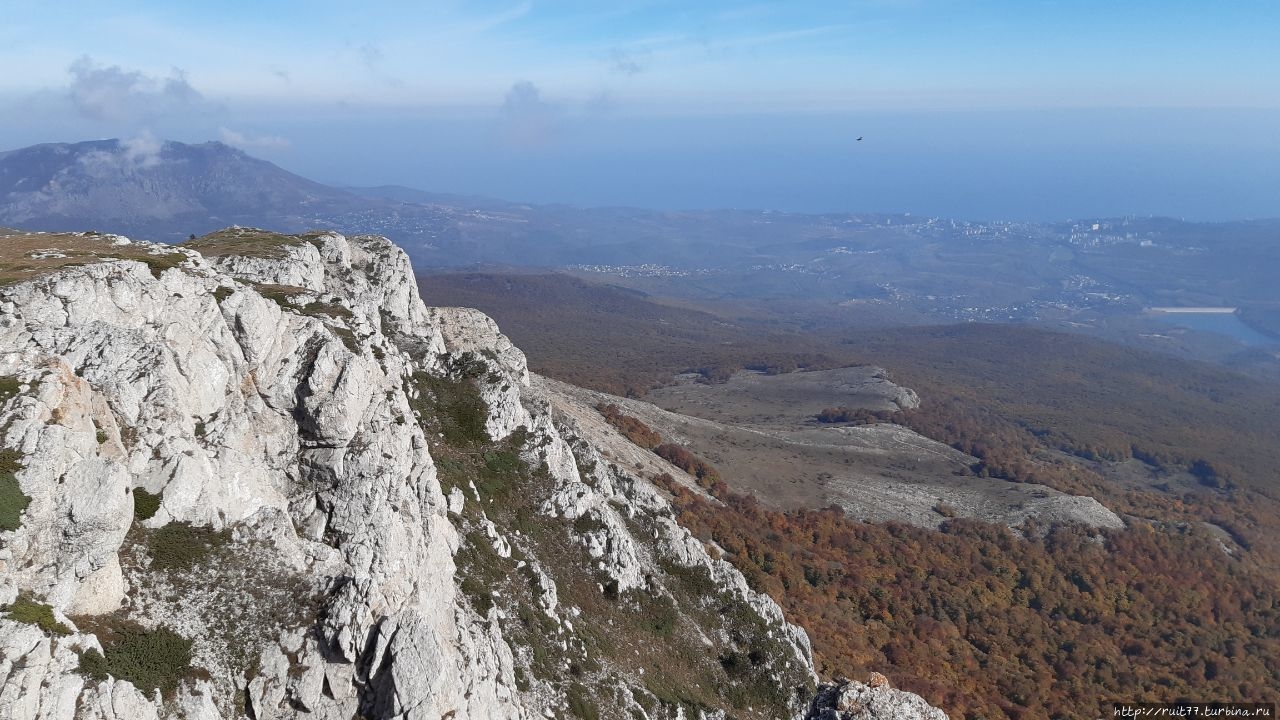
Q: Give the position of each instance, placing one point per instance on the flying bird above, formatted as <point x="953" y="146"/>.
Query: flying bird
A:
<point x="859" y="138"/>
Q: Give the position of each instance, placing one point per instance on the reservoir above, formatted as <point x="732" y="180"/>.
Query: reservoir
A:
<point x="1222" y="321"/>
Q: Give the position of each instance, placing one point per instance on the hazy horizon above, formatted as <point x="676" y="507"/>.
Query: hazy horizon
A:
<point x="985" y="110"/>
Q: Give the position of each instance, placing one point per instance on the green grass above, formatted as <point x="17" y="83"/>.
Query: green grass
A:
<point x="26" y="610"/>
<point x="347" y="337"/>
<point x="10" y="386"/>
<point x="281" y="295"/>
<point x="660" y="617"/>
<point x="152" y="660"/>
<point x="246" y="242"/>
<point x="180" y="546"/>
<point x="453" y="408"/>
<point x="581" y="704"/>
<point x="315" y="307"/>
<point x="145" y="504"/>
<point x="159" y="262"/>
<point x="12" y="500"/>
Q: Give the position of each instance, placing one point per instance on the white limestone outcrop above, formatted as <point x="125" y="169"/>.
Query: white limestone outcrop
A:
<point x="271" y="403"/>
<point x="875" y="700"/>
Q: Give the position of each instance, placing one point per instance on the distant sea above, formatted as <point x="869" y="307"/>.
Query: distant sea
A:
<point x="1228" y="324"/>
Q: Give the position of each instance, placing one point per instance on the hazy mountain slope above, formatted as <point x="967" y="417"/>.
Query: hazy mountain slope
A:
<point x="616" y="339"/>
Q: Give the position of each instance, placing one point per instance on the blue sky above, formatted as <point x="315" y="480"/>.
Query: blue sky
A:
<point x="1111" y="107"/>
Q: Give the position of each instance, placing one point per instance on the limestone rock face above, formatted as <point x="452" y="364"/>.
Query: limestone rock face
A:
<point x="876" y="700"/>
<point x="301" y="493"/>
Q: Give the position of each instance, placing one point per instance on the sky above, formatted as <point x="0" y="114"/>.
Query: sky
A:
<point x="997" y="109"/>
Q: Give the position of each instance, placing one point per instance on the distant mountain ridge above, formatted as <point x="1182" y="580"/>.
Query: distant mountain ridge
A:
<point x="165" y="191"/>
<point x="840" y="265"/>
<point x="154" y="189"/>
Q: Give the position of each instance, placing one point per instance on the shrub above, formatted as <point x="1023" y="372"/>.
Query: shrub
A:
<point x="26" y="610"/>
<point x="856" y="416"/>
<point x="150" y="659"/>
<point x="632" y="428"/>
<point x="180" y="546"/>
<point x="145" y="504"/>
<point x="706" y="474"/>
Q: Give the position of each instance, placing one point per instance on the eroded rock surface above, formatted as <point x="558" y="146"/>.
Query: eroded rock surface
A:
<point x="875" y="700"/>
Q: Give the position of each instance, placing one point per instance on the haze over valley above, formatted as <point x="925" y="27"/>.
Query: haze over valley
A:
<point x="1105" y="276"/>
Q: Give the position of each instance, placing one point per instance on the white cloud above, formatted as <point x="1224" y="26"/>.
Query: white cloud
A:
<point x="112" y="93"/>
<point x="624" y="63"/>
<point x="142" y="151"/>
<point x="134" y="154"/>
<point x="528" y="119"/>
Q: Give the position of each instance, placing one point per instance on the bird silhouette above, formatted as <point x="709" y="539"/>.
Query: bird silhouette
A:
<point x="859" y="138"/>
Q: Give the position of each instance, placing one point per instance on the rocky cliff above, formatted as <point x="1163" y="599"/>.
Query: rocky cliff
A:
<point x="256" y="477"/>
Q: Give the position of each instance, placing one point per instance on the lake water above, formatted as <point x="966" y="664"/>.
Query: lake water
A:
<point x="1228" y="324"/>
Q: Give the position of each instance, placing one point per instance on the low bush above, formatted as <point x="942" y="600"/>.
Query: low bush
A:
<point x="150" y="659"/>
<point x="632" y="428"/>
<point x="180" y="546"/>
<point x="145" y="504"/>
<point x="855" y="416"/>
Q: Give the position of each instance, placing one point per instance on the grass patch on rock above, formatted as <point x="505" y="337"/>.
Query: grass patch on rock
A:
<point x="159" y="262"/>
<point x="282" y="295"/>
<point x="289" y="297"/>
<point x="27" y="610"/>
<point x="230" y="587"/>
<point x="13" y="502"/>
<point x="316" y="307"/>
<point x="10" y="386"/>
<point x="245" y="242"/>
<point x="452" y="406"/>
